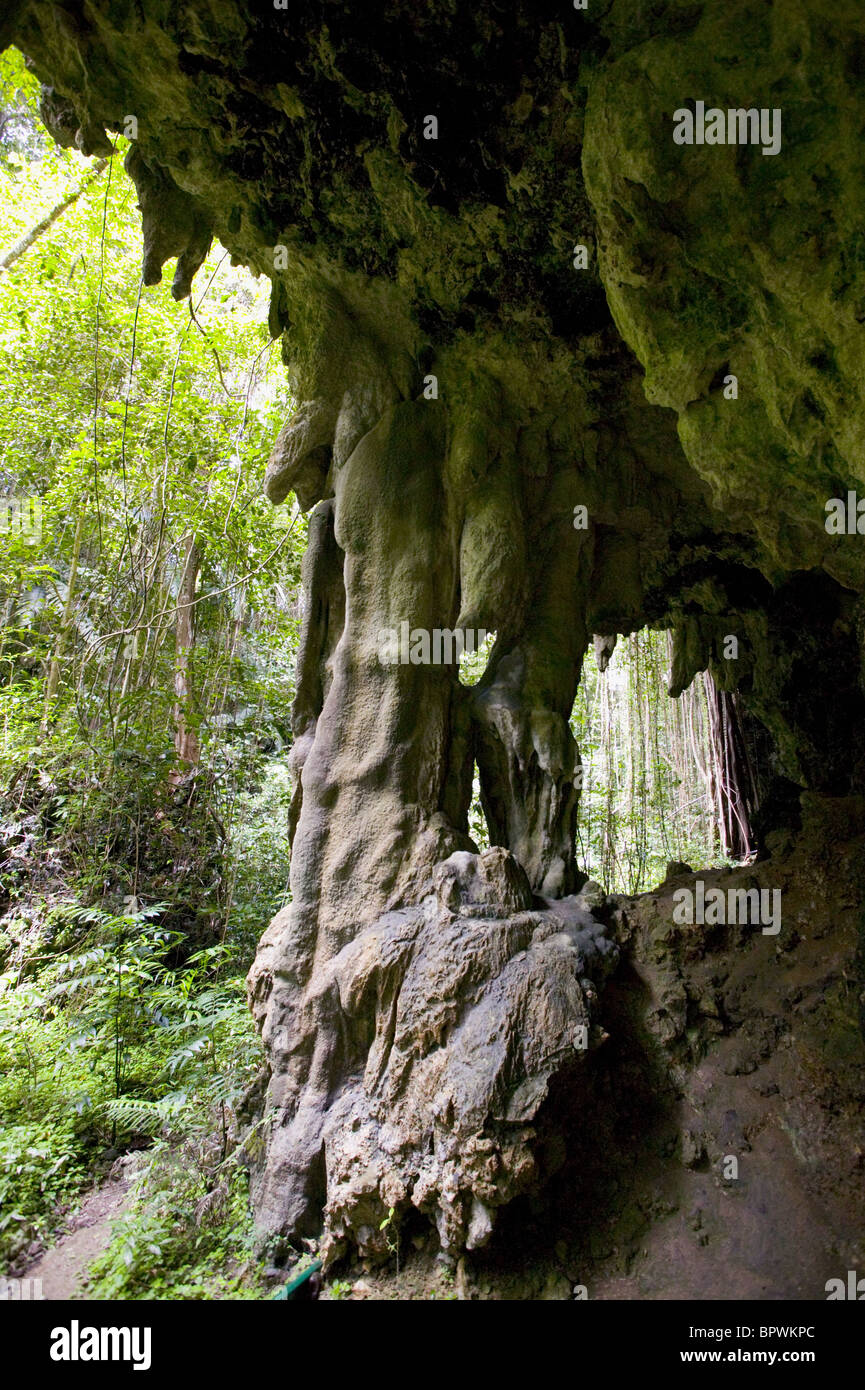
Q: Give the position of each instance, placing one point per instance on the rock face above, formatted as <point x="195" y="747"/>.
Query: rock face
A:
<point x="714" y="1144"/>
<point x="444" y="1024"/>
<point x="477" y="1001"/>
<point x="511" y="306"/>
<point x="784" y="313"/>
<point x="730" y="1092"/>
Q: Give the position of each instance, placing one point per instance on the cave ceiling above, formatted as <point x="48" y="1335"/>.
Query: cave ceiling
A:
<point x="299" y="138"/>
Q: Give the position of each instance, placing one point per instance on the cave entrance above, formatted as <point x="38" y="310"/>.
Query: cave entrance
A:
<point x="663" y="779"/>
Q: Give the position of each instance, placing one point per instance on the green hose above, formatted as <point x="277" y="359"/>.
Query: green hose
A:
<point x="290" y="1289"/>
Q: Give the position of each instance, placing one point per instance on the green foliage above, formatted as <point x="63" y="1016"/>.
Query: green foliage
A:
<point x="109" y="1042"/>
<point x="136" y="426"/>
<point x="189" y="1233"/>
<point x="135" y="874"/>
<point x="40" y="1170"/>
<point x="646" y="796"/>
<point x="647" y="767"/>
<point x="258" y="833"/>
<point x="339" y="1289"/>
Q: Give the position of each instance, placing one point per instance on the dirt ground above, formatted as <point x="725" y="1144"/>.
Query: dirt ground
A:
<point x="62" y="1268"/>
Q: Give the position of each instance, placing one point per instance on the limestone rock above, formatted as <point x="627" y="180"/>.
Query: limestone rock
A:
<point x="492" y="884"/>
<point x="495" y="431"/>
<point x="475" y="1013"/>
<point x="174" y="224"/>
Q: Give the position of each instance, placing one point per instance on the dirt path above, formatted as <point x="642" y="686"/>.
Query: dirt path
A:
<point x="62" y="1268"/>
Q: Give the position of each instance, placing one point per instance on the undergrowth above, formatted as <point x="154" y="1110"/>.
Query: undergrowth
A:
<point x="109" y="1043"/>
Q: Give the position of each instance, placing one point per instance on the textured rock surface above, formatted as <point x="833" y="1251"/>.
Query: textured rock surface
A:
<point x="771" y="291"/>
<point x="479" y="1002"/>
<point x="461" y="389"/>
<point x="443" y="1025"/>
<point x="723" y="1044"/>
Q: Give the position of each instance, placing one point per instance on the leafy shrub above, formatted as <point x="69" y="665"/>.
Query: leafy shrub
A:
<point x="111" y="1043"/>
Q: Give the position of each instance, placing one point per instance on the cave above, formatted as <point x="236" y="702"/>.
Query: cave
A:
<point x="560" y="376"/>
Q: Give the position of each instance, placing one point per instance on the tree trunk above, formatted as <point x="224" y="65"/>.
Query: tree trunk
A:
<point x="186" y="735"/>
<point x="65" y="623"/>
<point x="732" y="778"/>
<point x="25" y="242"/>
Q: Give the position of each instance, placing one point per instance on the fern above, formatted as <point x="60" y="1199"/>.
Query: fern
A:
<point x="133" y="1113"/>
